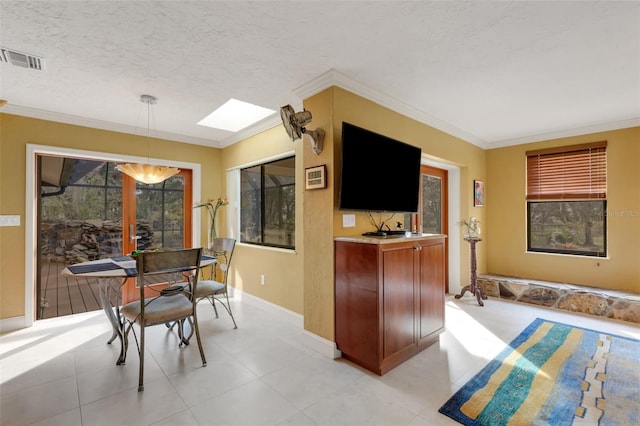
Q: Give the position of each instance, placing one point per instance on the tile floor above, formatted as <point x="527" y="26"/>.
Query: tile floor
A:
<point x="62" y="372"/>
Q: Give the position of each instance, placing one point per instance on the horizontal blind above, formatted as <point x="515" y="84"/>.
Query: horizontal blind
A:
<point x="575" y="172"/>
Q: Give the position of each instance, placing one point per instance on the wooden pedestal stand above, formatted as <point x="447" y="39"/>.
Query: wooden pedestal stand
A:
<point x="473" y="287"/>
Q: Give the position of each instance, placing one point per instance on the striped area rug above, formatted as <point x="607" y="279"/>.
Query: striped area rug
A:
<point x="554" y="374"/>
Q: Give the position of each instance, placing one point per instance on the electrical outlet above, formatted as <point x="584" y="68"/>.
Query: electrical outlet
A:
<point x="262" y="279"/>
<point x="9" y="220"/>
<point x="348" y="220"/>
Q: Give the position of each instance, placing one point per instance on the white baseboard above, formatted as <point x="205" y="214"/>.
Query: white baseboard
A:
<point x="286" y="314"/>
<point x="11" y="324"/>
<point x="319" y="344"/>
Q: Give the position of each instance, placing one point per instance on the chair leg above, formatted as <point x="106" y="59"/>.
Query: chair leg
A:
<point x="226" y="294"/>
<point x="141" y="349"/>
<point x="226" y="306"/>
<point x="195" y="327"/>
<point x="212" y="299"/>
<point x="180" y="332"/>
<point x="125" y="344"/>
<point x="184" y="340"/>
<point x="187" y="339"/>
<point x="128" y="329"/>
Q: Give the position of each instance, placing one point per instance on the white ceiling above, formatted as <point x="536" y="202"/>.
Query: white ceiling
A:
<point x="492" y="73"/>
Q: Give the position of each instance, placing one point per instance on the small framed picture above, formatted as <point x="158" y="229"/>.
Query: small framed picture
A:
<point x="478" y="193"/>
<point x="316" y="177"/>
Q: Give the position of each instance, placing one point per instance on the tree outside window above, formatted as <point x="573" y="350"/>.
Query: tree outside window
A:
<point x="267" y="206"/>
<point x="566" y="200"/>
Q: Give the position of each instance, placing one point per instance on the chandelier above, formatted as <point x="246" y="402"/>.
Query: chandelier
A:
<point x="147" y="173"/>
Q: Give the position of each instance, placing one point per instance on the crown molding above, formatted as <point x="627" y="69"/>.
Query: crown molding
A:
<point x="103" y="125"/>
<point x="604" y="127"/>
<point x="336" y="78"/>
<point x="312" y="87"/>
<point x="317" y="84"/>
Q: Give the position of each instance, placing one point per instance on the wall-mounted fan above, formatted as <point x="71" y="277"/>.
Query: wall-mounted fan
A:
<point x="294" y="123"/>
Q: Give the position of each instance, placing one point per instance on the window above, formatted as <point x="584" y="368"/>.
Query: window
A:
<point x="160" y="214"/>
<point x="432" y="215"/>
<point x="566" y="200"/>
<point x="268" y="204"/>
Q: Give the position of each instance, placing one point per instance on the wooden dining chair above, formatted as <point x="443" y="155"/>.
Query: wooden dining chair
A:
<point x="164" y="304"/>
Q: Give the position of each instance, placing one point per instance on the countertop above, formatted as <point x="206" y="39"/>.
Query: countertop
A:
<point x="389" y="239"/>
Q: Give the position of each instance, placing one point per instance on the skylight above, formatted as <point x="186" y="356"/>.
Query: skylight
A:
<point x="235" y="115"/>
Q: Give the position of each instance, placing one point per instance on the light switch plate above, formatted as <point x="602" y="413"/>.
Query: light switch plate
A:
<point x="9" y="220"/>
<point x="348" y="220"/>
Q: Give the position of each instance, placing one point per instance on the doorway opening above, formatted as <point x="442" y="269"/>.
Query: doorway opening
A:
<point x="433" y="214"/>
<point x="84" y="209"/>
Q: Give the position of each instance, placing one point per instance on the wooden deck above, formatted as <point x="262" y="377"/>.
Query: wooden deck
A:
<point x="62" y="295"/>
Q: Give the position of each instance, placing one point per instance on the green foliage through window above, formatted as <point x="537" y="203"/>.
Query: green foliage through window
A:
<point x="91" y="199"/>
<point x="268" y="201"/>
<point x="567" y="227"/>
<point x="566" y="200"/>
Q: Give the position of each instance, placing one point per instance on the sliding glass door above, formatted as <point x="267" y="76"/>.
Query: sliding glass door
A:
<point x="87" y="210"/>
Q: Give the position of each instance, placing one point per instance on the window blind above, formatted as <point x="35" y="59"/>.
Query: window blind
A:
<point x="575" y="172"/>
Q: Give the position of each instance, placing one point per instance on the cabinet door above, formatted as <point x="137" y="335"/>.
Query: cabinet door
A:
<point x="356" y="303"/>
<point x="431" y="290"/>
<point x="399" y="300"/>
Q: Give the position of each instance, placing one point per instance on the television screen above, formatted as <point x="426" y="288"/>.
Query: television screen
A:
<point x="379" y="174"/>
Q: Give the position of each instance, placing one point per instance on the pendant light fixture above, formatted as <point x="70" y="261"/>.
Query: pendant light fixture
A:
<point x="147" y="173"/>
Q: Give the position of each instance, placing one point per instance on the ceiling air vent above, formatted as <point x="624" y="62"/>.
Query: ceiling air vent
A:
<point x="20" y="59"/>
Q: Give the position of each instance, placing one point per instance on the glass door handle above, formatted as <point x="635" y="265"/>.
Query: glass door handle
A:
<point x="133" y="237"/>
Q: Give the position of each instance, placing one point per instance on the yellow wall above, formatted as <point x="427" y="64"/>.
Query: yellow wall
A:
<point x="506" y="215"/>
<point x="318" y="224"/>
<point x="302" y="280"/>
<point x="16" y="132"/>
<point x="323" y="220"/>
<point x="282" y="268"/>
<point x="435" y="145"/>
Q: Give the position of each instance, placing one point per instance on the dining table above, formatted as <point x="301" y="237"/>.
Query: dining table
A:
<point x="111" y="274"/>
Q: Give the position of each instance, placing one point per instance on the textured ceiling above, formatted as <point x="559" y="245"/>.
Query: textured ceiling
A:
<point x="493" y="73"/>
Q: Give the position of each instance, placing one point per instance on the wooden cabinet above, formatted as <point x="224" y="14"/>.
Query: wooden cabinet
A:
<point x="389" y="298"/>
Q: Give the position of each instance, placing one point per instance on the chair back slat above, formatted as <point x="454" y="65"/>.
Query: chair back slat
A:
<point x="168" y="267"/>
<point x="168" y="261"/>
<point x="223" y="250"/>
<point x="223" y="244"/>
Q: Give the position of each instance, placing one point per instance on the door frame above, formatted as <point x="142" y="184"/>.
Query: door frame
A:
<point x="443" y="175"/>
<point x="453" y="218"/>
<point x="130" y="290"/>
<point x="31" y="203"/>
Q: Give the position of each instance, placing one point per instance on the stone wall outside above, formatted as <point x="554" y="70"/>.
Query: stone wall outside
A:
<point x="77" y="241"/>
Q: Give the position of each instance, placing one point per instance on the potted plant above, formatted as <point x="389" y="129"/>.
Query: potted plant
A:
<point x="212" y="207"/>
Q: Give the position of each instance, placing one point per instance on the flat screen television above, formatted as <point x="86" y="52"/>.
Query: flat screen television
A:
<point x="379" y="174"/>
